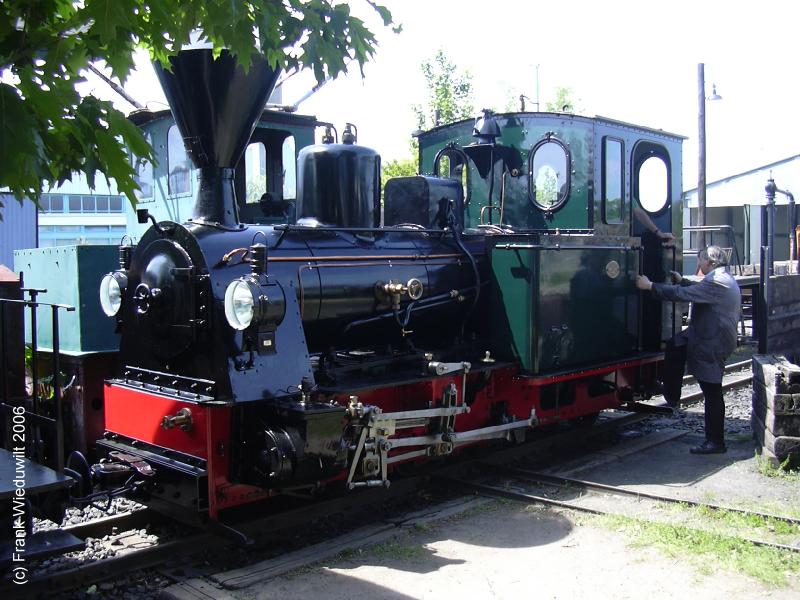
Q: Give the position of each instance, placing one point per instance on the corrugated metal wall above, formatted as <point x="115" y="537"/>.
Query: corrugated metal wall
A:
<point x="17" y="229"/>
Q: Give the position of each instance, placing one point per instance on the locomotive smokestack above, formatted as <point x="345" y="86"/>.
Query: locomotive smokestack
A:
<point x="216" y="105"/>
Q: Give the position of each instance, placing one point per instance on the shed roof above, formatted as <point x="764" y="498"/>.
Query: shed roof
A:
<point x="747" y="187"/>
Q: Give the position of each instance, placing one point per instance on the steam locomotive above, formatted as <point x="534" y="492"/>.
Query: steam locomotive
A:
<point x="488" y="297"/>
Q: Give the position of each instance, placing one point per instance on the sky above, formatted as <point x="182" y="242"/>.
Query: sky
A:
<point x="634" y="61"/>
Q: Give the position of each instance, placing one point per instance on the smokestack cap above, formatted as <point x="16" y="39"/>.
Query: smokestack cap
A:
<point x="216" y="104"/>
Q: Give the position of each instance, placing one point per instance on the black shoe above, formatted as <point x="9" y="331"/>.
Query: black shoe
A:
<point x="709" y="448"/>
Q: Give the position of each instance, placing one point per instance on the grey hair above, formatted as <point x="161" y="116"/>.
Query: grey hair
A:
<point x="715" y="255"/>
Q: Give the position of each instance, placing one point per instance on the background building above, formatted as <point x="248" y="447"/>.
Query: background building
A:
<point x="17" y="229"/>
<point x="73" y="214"/>
<point x="739" y="200"/>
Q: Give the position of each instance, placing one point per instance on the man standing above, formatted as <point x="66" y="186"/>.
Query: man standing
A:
<point x="708" y="341"/>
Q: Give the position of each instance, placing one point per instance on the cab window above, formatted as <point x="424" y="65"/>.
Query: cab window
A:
<point x="255" y="161"/>
<point x="452" y="163"/>
<point x="143" y="176"/>
<point x="652" y="179"/>
<point x="289" y="164"/>
<point x="613" y="176"/>
<point x="548" y="174"/>
<point x="178" y="164"/>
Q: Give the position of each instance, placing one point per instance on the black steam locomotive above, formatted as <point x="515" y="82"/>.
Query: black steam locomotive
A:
<point x="492" y="295"/>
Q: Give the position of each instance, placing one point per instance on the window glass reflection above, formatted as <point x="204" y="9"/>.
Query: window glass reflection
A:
<point x="452" y="164"/>
<point x="178" y="161"/>
<point x="255" y="161"/>
<point x="143" y="176"/>
<point x="549" y="169"/>
<point x="612" y="181"/>
<point x="289" y="158"/>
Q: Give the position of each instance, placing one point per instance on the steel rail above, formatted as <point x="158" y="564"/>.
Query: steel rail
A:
<point x="268" y="527"/>
<point x="98" y="570"/>
<point x="726" y="385"/>
<point x="571" y="482"/>
<point x="737" y="366"/>
<point x="499" y="492"/>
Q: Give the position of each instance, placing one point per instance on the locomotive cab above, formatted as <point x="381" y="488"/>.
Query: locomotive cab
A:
<point x="572" y="191"/>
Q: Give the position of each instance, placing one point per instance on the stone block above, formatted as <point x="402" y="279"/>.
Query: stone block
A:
<point x="776" y="373"/>
<point x="780" y="404"/>
<point x="781" y="447"/>
<point x="777" y="424"/>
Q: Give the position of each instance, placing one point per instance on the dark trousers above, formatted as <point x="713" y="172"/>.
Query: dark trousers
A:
<point x="674" y="364"/>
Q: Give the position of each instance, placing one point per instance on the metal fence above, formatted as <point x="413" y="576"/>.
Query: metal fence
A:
<point x="41" y="407"/>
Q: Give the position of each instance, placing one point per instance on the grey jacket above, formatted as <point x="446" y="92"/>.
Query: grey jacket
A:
<point x="711" y="335"/>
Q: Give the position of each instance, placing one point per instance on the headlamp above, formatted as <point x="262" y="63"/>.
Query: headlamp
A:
<point x="112" y="287"/>
<point x="240" y="301"/>
<point x="248" y="302"/>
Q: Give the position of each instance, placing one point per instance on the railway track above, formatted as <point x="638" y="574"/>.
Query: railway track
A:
<point x="556" y="485"/>
<point x="728" y="383"/>
<point x="264" y="529"/>
<point x="114" y="524"/>
<point x="544" y="489"/>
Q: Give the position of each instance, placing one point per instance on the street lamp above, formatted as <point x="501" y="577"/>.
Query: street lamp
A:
<point x="701" y="141"/>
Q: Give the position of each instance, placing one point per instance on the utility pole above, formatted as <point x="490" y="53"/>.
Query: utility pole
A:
<point x="701" y="153"/>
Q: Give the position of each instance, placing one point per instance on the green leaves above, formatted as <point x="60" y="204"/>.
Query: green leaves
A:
<point x="47" y="132"/>
<point x="109" y="16"/>
<point x="449" y="93"/>
<point x="21" y="146"/>
<point x="563" y="101"/>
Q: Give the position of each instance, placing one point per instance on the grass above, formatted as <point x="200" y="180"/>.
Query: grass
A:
<point x="769" y="565"/>
<point x="766" y="468"/>
<point x="396" y="551"/>
<point x="392" y="549"/>
<point x="536" y="508"/>
<point x="741" y="521"/>
<point x="730" y="522"/>
<point x="490" y="505"/>
<point x="773" y="507"/>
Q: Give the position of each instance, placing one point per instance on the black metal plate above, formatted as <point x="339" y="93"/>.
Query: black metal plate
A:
<point x="43" y="544"/>
<point x="37" y="478"/>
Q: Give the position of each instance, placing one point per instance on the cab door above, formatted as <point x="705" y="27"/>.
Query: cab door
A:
<point x="652" y="207"/>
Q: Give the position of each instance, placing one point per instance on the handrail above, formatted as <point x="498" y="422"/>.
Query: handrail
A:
<point x="36" y="416"/>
